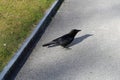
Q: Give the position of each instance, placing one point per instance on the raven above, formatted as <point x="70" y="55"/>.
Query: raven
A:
<point x="63" y="40"/>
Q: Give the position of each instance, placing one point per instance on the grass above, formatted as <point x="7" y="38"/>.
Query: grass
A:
<point x="17" y="20"/>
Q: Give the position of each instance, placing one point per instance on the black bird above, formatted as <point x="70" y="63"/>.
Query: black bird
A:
<point x="63" y="40"/>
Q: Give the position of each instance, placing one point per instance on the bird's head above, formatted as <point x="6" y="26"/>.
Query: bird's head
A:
<point x="74" y="31"/>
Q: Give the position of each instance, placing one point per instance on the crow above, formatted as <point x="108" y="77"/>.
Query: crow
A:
<point x="63" y="40"/>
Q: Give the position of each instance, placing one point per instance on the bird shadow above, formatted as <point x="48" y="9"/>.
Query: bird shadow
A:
<point x="79" y="39"/>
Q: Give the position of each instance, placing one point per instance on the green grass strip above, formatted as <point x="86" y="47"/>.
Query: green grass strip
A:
<point x="17" y="20"/>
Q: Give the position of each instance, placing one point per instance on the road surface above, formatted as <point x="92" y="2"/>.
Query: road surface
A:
<point x="93" y="55"/>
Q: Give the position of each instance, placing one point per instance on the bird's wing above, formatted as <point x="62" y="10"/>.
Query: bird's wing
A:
<point x="63" y="40"/>
<point x="60" y="38"/>
<point x="66" y="40"/>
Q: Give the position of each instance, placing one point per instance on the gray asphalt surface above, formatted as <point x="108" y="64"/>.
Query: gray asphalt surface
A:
<point x="94" y="54"/>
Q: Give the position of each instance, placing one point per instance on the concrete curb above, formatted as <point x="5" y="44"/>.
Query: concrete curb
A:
<point x="13" y="67"/>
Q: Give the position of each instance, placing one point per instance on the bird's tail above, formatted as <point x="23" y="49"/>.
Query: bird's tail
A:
<point x="47" y="44"/>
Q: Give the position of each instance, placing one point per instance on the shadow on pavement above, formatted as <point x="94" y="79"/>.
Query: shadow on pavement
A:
<point x="79" y="39"/>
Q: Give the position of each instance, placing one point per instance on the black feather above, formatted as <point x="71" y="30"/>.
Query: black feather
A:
<point x="63" y="40"/>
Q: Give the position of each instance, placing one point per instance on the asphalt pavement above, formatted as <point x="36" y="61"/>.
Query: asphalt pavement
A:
<point x="93" y="55"/>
